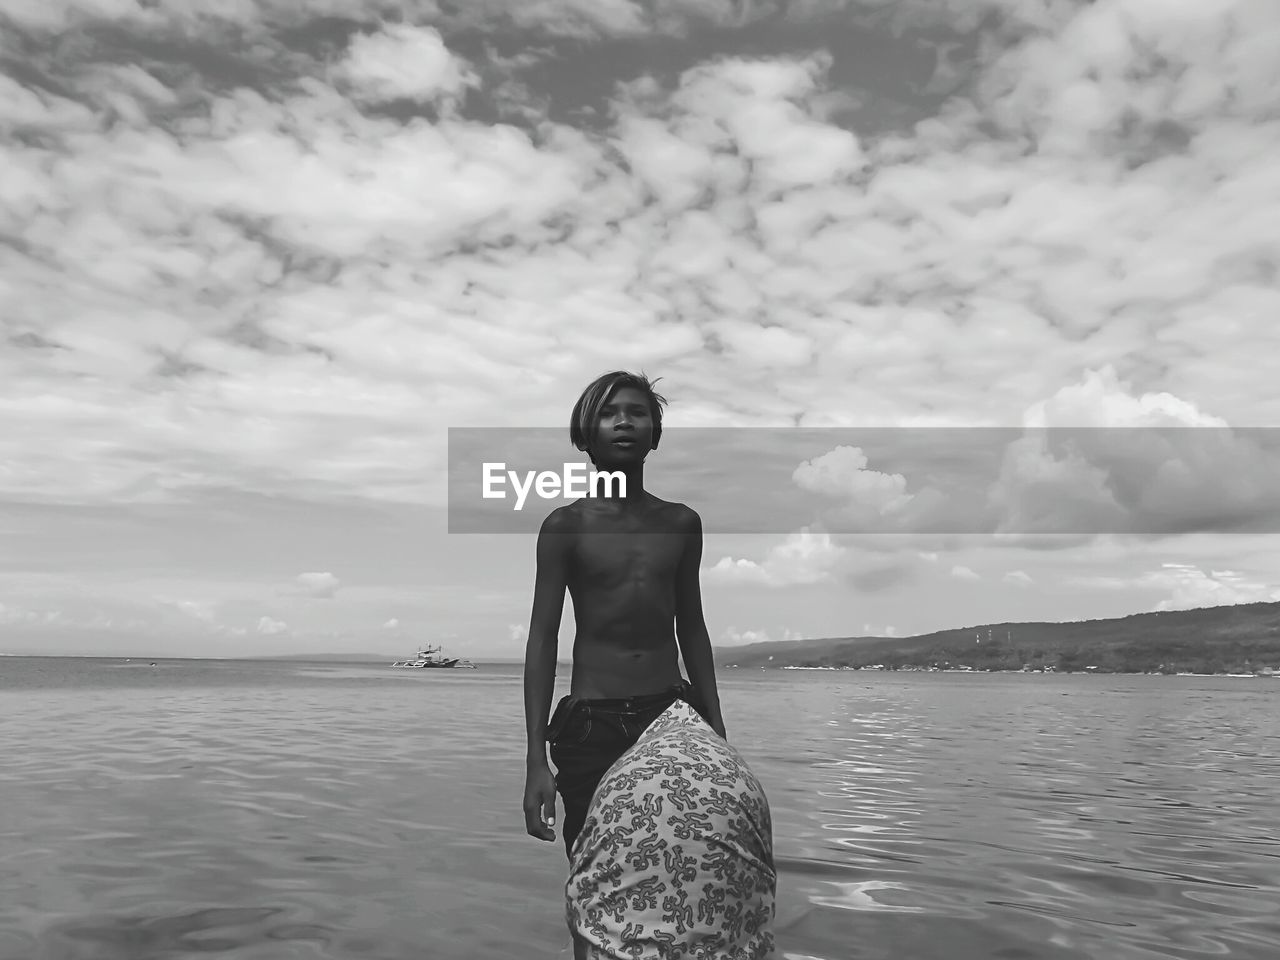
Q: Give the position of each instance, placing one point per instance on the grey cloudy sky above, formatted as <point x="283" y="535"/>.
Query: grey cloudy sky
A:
<point x="257" y="257"/>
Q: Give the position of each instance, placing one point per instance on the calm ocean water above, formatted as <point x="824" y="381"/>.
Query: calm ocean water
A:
<point x="285" y="810"/>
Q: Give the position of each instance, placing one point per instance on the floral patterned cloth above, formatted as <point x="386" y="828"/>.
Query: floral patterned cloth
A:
<point x="675" y="860"/>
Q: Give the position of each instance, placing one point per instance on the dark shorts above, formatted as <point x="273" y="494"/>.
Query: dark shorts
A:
<point x="587" y="736"/>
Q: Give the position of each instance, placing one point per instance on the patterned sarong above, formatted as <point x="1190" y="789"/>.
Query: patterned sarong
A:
<point x="675" y="860"/>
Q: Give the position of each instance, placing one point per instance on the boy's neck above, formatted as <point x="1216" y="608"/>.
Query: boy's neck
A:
<point x="635" y="485"/>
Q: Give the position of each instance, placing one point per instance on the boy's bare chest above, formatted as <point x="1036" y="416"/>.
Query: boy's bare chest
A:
<point x="610" y="558"/>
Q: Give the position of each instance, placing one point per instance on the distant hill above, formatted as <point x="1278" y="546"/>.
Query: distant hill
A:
<point x="1241" y="638"/>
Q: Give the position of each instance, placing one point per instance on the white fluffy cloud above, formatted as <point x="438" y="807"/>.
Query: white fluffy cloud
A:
<point x="402" y="61"/>
<point x="265" y="286"/>
<point x="1190" y="586"/>
<point x="842" y="472"/>
<point x="1097" y="458"/>
<point x="804" y="557"/>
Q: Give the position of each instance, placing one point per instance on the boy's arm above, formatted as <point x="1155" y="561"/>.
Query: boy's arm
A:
<point x="550" y="579"/>
<point x="691" y="625"/>
<point x="540" y="674"/>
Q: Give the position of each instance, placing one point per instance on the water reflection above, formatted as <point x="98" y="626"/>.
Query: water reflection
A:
<point x="1090" y="823"/>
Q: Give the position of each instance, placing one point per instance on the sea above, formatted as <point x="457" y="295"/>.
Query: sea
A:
<point x="263" y="810"/>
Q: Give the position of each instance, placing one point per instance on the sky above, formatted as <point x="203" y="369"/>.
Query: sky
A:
<point x="257" y="261"/>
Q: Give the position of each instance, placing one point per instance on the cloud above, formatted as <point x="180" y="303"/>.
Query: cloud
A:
<point x="960" y="572"/>
<point x="392" y="624"/>
<point x="734" y="637"/>
<point x="842" y="472"/>
<point x="1100" y="400"/>
<point x="90" y="610"/>
<point x="270" y="626"/>
<point x="1096" y="457"/>
<point x="320" y="585"/>
<point x="405" y="62"/>
<point x="1188" y="585"/>
<point x="805" y="557"/>
<point x="517" y="632"/>
<point x="758" y="106"/>
<point x="275" y="249"/>
<point x="262" y="285"/>
<point x="1018" y="578"/>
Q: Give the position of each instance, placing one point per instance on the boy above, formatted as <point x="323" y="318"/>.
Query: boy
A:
<point x="631" y="565"/>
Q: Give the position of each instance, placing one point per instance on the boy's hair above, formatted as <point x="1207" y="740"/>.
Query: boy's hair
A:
<point x="598" y="393"/>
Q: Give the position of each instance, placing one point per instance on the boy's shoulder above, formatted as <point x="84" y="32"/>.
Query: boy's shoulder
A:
<point x="671" y="517"/>
<point x="680" y="511"/>
<point x="564" y="519"/>
<point x="675" y="517"/>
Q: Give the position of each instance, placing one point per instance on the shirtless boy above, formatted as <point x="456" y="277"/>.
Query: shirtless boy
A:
<point x="631" y="565"/>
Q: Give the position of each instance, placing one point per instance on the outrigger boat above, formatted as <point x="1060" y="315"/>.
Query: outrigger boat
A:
<point x="430" y="657"/>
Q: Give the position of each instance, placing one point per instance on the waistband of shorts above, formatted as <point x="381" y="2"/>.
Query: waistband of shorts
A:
<point x="622" y="704"/>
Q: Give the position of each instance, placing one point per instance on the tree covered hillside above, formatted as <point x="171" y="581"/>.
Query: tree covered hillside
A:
<point x="1243" y="638"/>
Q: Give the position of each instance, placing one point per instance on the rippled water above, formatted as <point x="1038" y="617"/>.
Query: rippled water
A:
<point x="276" y="811"/>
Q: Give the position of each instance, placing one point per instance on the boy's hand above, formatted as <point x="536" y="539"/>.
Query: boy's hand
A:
<point x="540" y="802"/>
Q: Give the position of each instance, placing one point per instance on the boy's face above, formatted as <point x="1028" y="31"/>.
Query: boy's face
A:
<point x="624" y="429"/>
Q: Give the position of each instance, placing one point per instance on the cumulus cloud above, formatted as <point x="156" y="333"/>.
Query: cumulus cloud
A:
<point x="320" y="585"/>
<point x="392" y="624"/>
<point x="1018" y="578"/>
<point x="1098" y="458"/>
<point x="961" y="572"/>
<point x="843" y="472"/>
<point x="804" y="557"/>
<point x="405" y="62"/>
<point x="1190" y="586"/>
<point x="271" y="626"/>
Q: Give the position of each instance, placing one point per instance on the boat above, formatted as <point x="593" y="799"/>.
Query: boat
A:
<point x="427" y="658"/>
